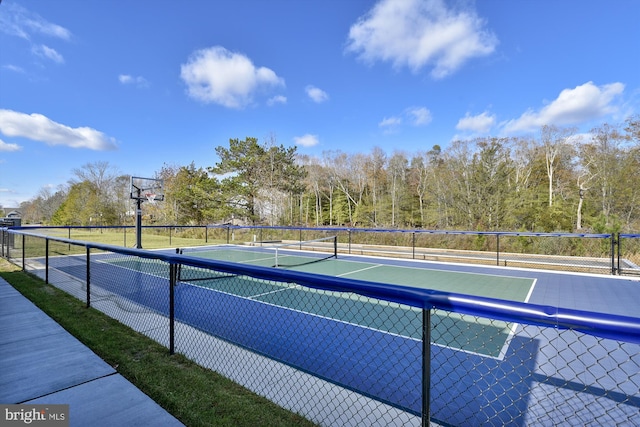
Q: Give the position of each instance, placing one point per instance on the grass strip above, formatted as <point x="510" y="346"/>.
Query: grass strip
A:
<point x="194" y="395"/>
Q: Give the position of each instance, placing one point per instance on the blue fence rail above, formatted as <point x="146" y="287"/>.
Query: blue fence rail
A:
<point x="348" y="352"/>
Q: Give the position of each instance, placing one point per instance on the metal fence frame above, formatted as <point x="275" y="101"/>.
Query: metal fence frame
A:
<point x="620" y="252"/>
<point x="623" y="330"/>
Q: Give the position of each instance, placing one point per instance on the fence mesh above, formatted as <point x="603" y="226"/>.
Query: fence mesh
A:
<point x="340" y="358"/>
<point x="588" y="253"/>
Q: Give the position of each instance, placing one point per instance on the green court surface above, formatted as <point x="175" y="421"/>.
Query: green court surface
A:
<point x="487" y="285"/>
<point x="448" y="329"/>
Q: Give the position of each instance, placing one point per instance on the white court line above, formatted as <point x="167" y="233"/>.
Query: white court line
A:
<point x="362" y="269"/>
<point x="286" y="288"/>
<point x="533" y="285"/>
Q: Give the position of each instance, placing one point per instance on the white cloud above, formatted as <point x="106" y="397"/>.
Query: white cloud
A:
<point x="316" y="94"/>
<point x="418" y="34"/>
<point x="14" y="68"/>
<point x="480" y="123"/>
<point x="388" y="122"/>
<point x="307" y="140"/>
<point x="9" y="147"/>
<point x="40" y="128"/>
<point x="47" y="52"/>
<point x="20" y="22"/>
<point x="17" y="21"/>
<point x="416" y="116"/>
<point x="419" y="115"/>
<point x="278" y="99"/>
<point x="127" y="79"/>
<point x="216" y="75"/>
<point x="572" y="106"/>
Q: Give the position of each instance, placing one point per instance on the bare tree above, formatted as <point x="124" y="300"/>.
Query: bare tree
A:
<point x="376" y="177"/>
<point x="555" y="143"/>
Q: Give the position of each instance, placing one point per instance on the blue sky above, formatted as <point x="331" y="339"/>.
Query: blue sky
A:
<point x="143" y="83"/>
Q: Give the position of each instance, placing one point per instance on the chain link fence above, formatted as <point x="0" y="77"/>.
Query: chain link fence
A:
<point x="343" y="352"/>
<point x="615" y="254"/>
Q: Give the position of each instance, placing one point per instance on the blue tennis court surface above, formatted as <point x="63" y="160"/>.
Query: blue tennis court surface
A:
<point x="365" y="345"/>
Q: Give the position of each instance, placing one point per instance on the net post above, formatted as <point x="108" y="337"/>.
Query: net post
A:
<point x="426" y="366"/>
<point x="335" y="246"/>
<point x="179" y="269"/>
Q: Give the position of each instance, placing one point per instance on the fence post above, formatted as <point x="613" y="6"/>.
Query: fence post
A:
<point x="613" y="249"/>
<point x="46" y="260"/>
<point x="619" y="249"/>
<point x="413" y="245"/>
<point x="498" y="249"/>
<point x="88" y="277"/>
<point x="426" y="366"/>
<point x="23" y="254"/>
<point x="172" y="284"/>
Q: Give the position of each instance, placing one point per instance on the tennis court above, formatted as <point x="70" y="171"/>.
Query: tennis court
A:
<point x="464" y="333"/>
<point x="365" y="345"/>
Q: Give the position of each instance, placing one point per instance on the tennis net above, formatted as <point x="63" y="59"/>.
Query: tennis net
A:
<point x="305" y="252"/>
<point x="196" y="274"/>
<point x="280" y="255"/>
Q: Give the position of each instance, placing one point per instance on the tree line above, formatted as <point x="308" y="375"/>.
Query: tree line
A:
<point x="556" y="180"/>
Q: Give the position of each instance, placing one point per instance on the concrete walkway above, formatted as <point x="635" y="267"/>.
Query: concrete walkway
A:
<point x="41" y="363"/>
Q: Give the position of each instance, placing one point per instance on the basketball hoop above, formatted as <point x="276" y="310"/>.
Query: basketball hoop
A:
<point x="151" y="197"/>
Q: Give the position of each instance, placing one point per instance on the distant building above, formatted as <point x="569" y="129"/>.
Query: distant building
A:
<point x="13" y="219"/>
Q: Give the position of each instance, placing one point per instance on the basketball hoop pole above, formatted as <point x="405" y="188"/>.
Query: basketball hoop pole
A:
<point x="141" y="189"/>
<point x="139" y="221"/>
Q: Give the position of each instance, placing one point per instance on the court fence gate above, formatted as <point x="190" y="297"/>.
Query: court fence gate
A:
<point x="347" y="352"/>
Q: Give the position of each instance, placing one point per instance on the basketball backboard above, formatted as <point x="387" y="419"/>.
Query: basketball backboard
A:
<point x="146" y="189"/>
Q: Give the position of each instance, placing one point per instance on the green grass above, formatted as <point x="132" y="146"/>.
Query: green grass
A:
<point x="151" y="239"/>
<point x="193" y="394"/>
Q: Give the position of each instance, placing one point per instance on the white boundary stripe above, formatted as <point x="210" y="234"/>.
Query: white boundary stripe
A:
<point x="285" y="288"/>
<point x="360" y="270"/>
